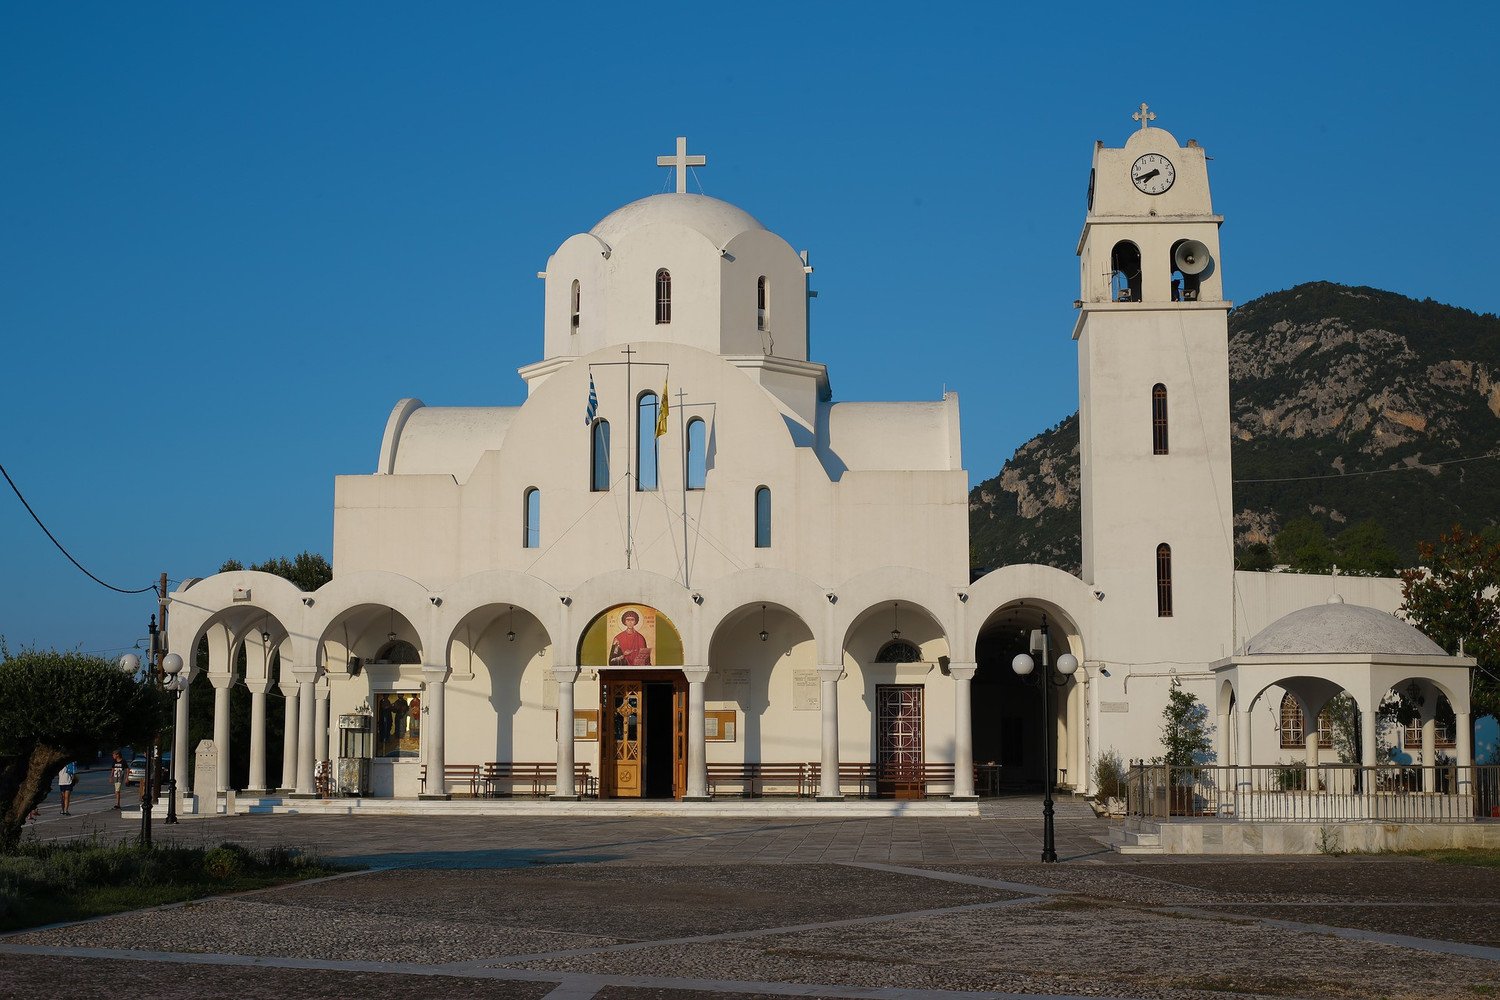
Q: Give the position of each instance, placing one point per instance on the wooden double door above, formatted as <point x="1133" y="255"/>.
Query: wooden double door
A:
<point x="643" y="738"/>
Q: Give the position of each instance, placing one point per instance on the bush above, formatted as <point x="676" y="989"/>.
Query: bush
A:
<point x="224" y="863"/>
<point x="1109" y="776"/>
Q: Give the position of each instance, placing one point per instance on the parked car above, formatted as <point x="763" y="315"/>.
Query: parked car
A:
<point x="137" y="770"/>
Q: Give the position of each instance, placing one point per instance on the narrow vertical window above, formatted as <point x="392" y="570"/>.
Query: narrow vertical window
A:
<point x="1158" y="419"/>
<point x="762" y="517"/>
<point x="663" y="296"/>
<point x="697" y="453"/>
<point x="1164" y="580"/>
<point x="577" y="302"/>
<point x="531" y="534"/>
<point x="762" y="305"/>
<point x="645" y="440"/>
<point x="599" y="474"/>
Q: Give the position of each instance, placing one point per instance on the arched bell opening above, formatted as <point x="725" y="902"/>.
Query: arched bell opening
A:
<point x="1009" y="724"/>
<point x="1125" y="272"/>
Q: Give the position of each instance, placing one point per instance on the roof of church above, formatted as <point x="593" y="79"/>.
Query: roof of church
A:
<point x="715" y="219"/>
<point x="1337" y="628"/>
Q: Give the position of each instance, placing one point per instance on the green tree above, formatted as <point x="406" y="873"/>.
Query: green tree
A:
<point x="307" y="570"/>
<point x="1362" y="550"/>
<point x="58" y="707"/>
<point x="1302" y="545"/>
<point x="1455" y="596"/>
<point x="1186" y="733"/>
<point x="1256" y="557"/>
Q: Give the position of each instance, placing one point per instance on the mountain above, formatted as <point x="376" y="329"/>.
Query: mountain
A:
<point x="1328" y="381"/>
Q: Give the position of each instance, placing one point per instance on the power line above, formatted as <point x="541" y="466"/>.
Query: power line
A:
<point x="17" y="490"/>
<point x="1373" y="472"/>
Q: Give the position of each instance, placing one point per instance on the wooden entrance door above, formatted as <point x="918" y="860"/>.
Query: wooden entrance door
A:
<point x="898" y="740"/>
<point x="679" y="741"/>
<point x="625" y="704"/>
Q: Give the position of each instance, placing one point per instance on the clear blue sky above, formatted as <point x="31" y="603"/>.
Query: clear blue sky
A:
<point x="232" y="236"/>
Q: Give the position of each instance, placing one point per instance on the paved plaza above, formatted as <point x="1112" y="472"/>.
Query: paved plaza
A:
<point x="784" y="906"/>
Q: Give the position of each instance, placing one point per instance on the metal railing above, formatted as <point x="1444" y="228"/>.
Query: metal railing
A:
<point x="1295" y="793"/>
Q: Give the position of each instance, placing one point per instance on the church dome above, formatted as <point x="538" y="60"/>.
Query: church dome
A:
<point x="1341" y="628"/>
<point x="715" y="219"/>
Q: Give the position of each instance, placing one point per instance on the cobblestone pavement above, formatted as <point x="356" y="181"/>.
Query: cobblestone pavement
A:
<point x="635" y="909"/>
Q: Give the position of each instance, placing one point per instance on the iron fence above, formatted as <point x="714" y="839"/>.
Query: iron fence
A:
<point x="1292" y="793"/>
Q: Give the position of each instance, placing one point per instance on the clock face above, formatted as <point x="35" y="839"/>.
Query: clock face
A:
<point x="1153" y="173"/>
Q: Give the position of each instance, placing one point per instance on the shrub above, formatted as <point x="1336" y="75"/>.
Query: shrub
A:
<point x="224" y="862"/>
<point x="1109" y="775"/>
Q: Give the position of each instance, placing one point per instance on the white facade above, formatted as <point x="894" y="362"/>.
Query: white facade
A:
<point x="492" y="546"/>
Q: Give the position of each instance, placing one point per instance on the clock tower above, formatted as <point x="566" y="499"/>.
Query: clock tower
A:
<point x="1153" y="381"/>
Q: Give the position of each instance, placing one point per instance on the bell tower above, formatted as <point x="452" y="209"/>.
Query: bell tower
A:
<point x="1153" y="381"/>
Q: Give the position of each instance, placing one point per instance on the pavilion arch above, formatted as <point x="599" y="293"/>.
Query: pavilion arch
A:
<point x="795" y="594"/>
<point x="335" y="600"/>
<point x="363" y="631"/>
<point x="600" y="593"/>
<point x="755" y="652"/>
<point x="198" y="602"/>
<point x="875" y="591"/>
<point x="500" y="659"/>
<point x="499" y="588"/>
<point x="1311" y="693"/>
<point x="1063" y="595"/>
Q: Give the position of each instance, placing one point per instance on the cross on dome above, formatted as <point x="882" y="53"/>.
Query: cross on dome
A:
<point x="682" y="161"/>
<point x="1145" y="116"/>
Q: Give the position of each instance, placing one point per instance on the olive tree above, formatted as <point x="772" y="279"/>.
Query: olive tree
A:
<point x="57" y="707"/>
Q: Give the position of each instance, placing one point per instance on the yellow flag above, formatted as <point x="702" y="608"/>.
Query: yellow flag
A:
<point x="661" y="411"/>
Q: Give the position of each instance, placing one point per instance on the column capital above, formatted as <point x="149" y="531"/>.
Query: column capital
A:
<point x="565" y="674"/>
<point x="304" y="675"/>
<point x="435" y="673"/>
<point x="830" y="671"/>
<point x="258" y="686"/>
<point x="962" y="671"/>
<point x="222" y="681"/>
<point x="696" y="675"/>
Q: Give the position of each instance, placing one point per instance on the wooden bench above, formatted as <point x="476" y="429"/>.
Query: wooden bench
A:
<point x="458" y="774"/>
<point x="754" y="776"/>
<point x="851" y="773"/>
<point x="913" y="782"/>
<point x="536" y="775"/>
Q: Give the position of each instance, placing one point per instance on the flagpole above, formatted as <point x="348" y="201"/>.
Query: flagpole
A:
<point x="630" y="417"/>
<point x="682" y="435"/>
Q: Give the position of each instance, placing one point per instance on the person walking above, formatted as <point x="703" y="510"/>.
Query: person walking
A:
<point x="117" y="775"/>
<point x="65" y="780"/>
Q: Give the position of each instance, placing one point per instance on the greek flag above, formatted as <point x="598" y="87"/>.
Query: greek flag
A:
<point x="593" y="407"/>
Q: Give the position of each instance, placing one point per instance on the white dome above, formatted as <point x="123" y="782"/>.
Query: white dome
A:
<point x="1341" y="628"/>
<point x="715" y="219"/>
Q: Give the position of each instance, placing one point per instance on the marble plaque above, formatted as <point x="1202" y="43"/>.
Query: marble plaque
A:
<point x="807" y="691"/>
<point x="1114" y="706"/>
<point x="549" y="691"/>
<point x="206" y="769"/>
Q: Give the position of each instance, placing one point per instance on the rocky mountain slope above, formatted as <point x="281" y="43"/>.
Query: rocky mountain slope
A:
<point x="1331" y="387"/>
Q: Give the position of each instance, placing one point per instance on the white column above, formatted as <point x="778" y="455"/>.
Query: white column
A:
<point x="1310" y="744"/>
<point x="963" y="729"/>
<point x="289" y="735"/>
<point x="1429" y="754"/>
<point x="566" y="678"/>
<point x="320" y="722"/>
<point x="257" y="778"/>
<point x="182" y="763"/>
<point x="1369" y="748"/>
<point x="697" y="745"/>
<point x="221" y="684"/>
<point x="1080" y="732"/>
<point x="434" y="734"/>
<point x="1244" y="776"/>
<point x="1464" y="752"/>
<point x="306" y="709"/>
<point x="828" y="783"/>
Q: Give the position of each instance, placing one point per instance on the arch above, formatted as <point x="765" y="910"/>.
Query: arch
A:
<point x="397" y="651"/>
<point x="763" y="303"/>
<point x="776" y="588"/>
<point x="899" y="651"/>
<point x="346" y="593"/>
<point x="875" y="590"/>
<point x="631" y="634"/>
<point x="1125" y="272"/>
<point x="365" y="631"/>
<point x="763" y="517"/>
<point x="697" y="453"/>
<point x="599" y="480"/>
<point x="1062" y="595"/>
<point x="220" y="599"/>
<point x="502" y="654"/>
<point x="663" y="296"/>
<point x="647" y="471"/>
<point x="755" y="651"/>
<point x="531" y="518"/>
<point x="1164" y="580"/>
<point x="499" y="588"/>
<point x="1158" y="419"/>
<point x="1293" y="725"/>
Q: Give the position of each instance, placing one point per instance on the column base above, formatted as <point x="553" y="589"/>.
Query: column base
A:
<point x="284" y="791"/>
<point x="302" y="795"/>
<point x="697" y="798"/>
<point x="963" y="798"/>
<point x="563" y="798"/>
<point x="255" y="791"/>
<point x="434" y="797"/>
<point x="828" y="798"/>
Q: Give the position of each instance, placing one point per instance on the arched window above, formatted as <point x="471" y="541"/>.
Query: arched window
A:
<point x="645" y="439"/>
<point x="1125" y="263"/>
<point x="697" y="453"/>
<point x="1293" y="728"/>
<point x="577" y="303"/>
<point x="531" y="530"/>
<point x="762" y="304"/>
<point x="1158" y="419"/>
<point x="599" y="464"/>
<point x="763" y="517"/>
<point x="398" y="651"/>
<point x="663" y="296"/>
<point x="1164" y="580"/>
<point x="899" y="651"/>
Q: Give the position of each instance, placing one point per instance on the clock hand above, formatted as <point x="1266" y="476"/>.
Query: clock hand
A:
<point x="1147" y="176"/>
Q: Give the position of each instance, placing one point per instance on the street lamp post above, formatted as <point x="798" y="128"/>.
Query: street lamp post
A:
<point x="1023" y="665"/>
<point x="166" y="673"/>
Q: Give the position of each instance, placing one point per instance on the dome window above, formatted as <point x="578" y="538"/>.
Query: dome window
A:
<point x="599" y="459"/>
<point x="577" y="301"/>
<point x="763" y="517"/>
<point x="1164" y="580"/>
<point x="762" y="304"/>
<point x="1158" y="419"/>
<point x="663" y="296"/>
<point x="531" y="514"/>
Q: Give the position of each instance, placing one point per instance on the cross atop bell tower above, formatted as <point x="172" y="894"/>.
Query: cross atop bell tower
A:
<point x="1145" y="116"/>
<point x="682" y="161"/>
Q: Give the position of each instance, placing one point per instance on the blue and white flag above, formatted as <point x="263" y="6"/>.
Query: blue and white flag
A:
<point x="593" y="407"/>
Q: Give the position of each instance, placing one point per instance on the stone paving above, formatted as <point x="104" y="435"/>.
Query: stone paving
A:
<point x="660" y="908"/>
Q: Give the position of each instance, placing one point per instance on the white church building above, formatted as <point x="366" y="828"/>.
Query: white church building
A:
<point x="683" y="566"/>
